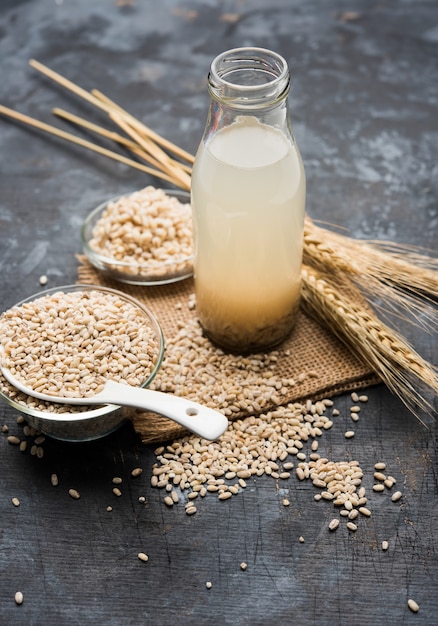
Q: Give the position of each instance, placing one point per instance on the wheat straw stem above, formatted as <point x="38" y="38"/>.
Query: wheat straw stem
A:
<point x="161" y="158"/>
<point x="30" y="121"/>
<point x="109" y="107"/>
<point x="99" y="130"/>
<point x="165" y="143"/>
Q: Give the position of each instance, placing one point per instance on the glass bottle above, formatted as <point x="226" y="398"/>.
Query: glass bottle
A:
<point x="248" y="202"/>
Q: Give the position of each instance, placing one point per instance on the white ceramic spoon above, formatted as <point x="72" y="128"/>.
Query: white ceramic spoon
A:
<point x="199" y="419"/>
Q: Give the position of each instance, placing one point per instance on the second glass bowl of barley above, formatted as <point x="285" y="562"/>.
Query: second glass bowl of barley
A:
<point x="141" y="238"/>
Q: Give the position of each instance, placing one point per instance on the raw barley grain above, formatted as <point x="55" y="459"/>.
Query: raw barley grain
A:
<point x="19" y="597"/>
<point x="396" y="496"/>
<point x="191" y="510"/>
<point x="334" y="523"/>
<point x="385" y="545"/>
<point x="413" y="605"/>
<point x="143" y="557"/>
<point x="74" y="493"/>
<point x="145" y="228"/>
<point x="45" y="354"/>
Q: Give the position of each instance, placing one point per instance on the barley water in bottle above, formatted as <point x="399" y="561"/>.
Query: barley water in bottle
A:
<point x="248" y="201"/>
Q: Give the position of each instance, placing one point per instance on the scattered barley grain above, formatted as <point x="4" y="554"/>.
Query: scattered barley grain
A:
<point x="396" y="496"/>
<point x="19" y="597"/>
<point x="413" y="605"/>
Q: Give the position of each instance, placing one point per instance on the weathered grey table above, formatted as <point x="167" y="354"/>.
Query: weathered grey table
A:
<point x="364" y="108"/>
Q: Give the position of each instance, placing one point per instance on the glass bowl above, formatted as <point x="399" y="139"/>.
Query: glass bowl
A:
<point x="154" y="272"/>
<point x="75" y="423"/>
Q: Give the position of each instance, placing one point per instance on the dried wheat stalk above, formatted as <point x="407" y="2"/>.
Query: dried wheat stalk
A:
<point x="404" y="280"/>
<point x="403" y="370"/>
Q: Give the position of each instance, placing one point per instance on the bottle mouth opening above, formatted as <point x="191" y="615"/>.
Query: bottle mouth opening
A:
<point x="249" y="76"/>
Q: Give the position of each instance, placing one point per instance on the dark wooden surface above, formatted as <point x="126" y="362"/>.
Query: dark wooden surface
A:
<point x="364" y="108"/>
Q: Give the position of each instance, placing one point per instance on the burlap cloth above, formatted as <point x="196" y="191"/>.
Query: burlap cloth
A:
<point x="314" y="357"/>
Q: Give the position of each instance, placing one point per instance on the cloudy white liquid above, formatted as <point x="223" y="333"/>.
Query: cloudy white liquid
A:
<point x="248" y="197"/>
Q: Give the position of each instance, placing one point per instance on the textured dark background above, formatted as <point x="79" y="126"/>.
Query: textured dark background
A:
<point x="364" y="109"/>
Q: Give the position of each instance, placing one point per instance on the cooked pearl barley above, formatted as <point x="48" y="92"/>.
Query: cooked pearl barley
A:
<point x="68" y="344"/>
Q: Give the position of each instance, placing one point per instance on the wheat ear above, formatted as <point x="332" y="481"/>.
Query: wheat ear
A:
<point x="396" y="277"/>
<point x="403" y="370"/>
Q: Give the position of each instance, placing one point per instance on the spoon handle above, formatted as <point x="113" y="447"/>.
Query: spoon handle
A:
<point x="199" y="419"/>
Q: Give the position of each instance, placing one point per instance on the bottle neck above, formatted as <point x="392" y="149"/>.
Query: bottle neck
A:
<point x="249" y="80"/>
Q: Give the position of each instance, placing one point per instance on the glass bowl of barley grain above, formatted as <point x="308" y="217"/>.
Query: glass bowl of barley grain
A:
<point x="141" y="238"/>
<point x="78" y="336"/>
